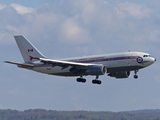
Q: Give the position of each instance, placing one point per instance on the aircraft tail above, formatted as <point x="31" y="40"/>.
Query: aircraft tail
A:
<point x="28" y="51"/>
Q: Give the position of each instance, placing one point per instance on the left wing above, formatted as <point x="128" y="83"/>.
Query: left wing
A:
<point x="77" y="68"/>
<point x="65" y="63"/>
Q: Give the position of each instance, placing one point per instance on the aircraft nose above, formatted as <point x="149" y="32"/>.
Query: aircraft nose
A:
<point x="152" y="60"/>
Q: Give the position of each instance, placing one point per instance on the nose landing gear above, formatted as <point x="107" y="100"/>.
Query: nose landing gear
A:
<point x="135" y="76"/>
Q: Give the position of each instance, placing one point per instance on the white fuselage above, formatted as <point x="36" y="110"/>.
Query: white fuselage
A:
<point x="117" y="62"/>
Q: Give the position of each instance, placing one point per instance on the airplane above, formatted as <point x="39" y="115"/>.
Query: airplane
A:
<point x="118" y="65"/>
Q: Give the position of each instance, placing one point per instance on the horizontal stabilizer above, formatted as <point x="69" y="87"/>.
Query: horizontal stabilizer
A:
<point x="21" y="64"/>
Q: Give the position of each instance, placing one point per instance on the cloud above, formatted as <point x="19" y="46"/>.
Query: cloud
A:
<point x="11" y="28"/>
<point x="136" y="10"/>
<point x="72" y="32"/>
<point x="81" y="23"/>
<point x="22" y="9"/>
<point x="98" y="23"/>
<point x="2" y="6"/>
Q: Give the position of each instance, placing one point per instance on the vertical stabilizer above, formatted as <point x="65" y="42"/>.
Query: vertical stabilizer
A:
<point x="27" y="50"/>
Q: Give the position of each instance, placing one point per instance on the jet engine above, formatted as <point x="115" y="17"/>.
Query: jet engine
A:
<point x="96" y="70"/>
<point x="125" y="74"/>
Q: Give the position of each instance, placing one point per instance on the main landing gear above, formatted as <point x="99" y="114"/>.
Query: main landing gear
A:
<point x="83" y="80"/>
<point x="135" y="76"/>
<point x="95" y="81"/>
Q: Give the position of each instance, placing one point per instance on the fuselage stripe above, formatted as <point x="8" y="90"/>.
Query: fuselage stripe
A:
<point x="89" y="60"/>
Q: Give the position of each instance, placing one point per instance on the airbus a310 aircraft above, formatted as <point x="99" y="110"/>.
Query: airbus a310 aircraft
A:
<point x="118" y="65"/>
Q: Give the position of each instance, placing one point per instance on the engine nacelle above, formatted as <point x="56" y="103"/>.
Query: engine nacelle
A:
<point x="96" y="70"/>
<point x="125" y="74"/>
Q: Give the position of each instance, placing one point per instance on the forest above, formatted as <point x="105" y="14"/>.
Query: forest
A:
<point x="41" y="114"/>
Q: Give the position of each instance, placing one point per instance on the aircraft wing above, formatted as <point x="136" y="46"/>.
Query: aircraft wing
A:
<point x="20" y="64"/>
<point x="76" y="67"/>
<point x="65" y="63"/>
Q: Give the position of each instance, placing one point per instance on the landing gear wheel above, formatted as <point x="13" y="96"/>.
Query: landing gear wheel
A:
<point x="135" y="76"/>
<point x="78" y="79"/>
<point x="99" y="82"/>
<point x="96" y="82"/>
<point x="83" y="80"/>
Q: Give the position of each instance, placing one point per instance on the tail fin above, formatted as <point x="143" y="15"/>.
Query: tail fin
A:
<point x="27" y="50"/>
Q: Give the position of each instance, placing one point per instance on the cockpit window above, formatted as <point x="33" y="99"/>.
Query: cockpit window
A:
<point x="146" y="55"/>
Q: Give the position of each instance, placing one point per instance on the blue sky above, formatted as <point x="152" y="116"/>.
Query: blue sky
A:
<point x="71" y="28"/>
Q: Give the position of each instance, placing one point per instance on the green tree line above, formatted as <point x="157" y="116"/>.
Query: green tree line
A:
<point x="40" y="114"/>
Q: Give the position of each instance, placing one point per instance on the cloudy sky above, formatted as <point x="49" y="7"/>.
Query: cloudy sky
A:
<point x="71" y="28"/>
